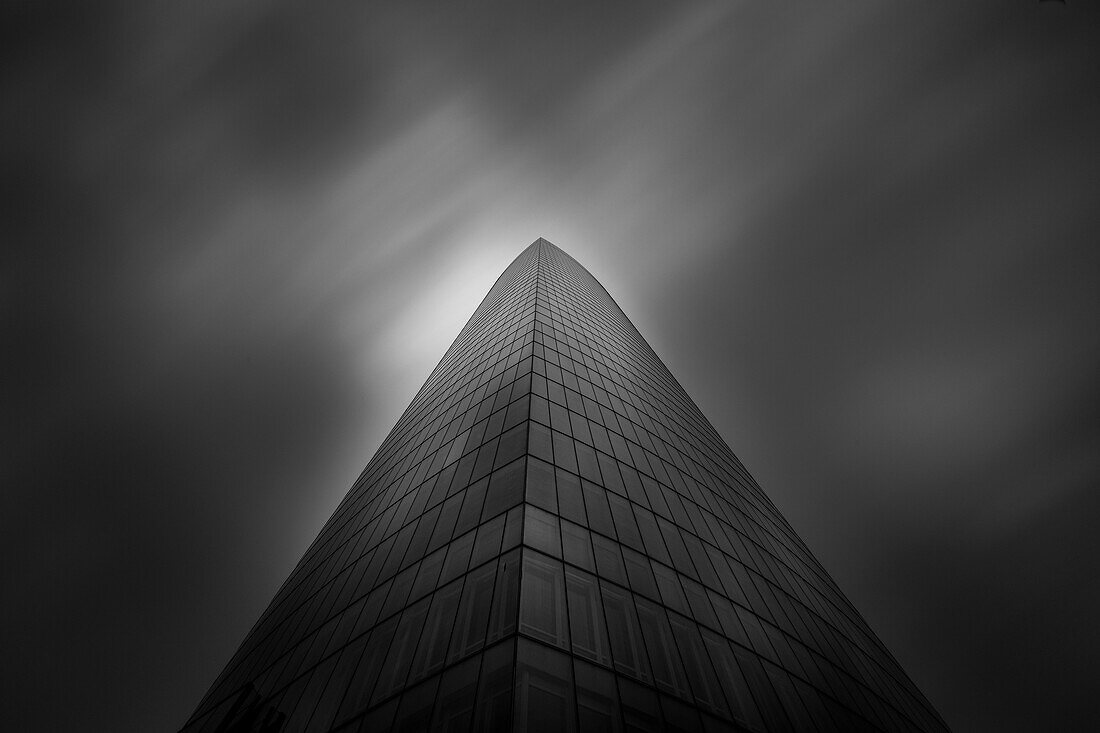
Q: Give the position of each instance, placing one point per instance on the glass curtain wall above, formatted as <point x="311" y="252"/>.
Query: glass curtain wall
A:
<point x="553" y="537"/>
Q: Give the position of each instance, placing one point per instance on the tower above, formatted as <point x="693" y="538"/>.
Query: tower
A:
<point x="553" y="537"/>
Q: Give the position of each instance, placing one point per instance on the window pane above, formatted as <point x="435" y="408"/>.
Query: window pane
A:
<point x="542" y="608"/>
<point x="668" y="673"/>
<point x="597" y="699"/>
<point x="436" y="634"/>
<point x="732" y="681"/>
<point x="699" y="603"/>
<point x="325" y="714"/>
<point x="472" y="503"/>
<point x="766" y="699"/>
<point x="348" y="619"/>
<point x="399" y="657"/>
<point x="303" y="709"/>
<point x="446" y="524"/>
<point x="415" y="710"/>
<point x="380" y="718"/>
<point x="599" y="516"/>
<point x="513" y="444"/>
<point x="815" y="705"/>
<point x="369" y="666"/>
<point x="727" y="619"/>
<point x="513" y="528"/>
<point x="399" y="591"/>
<point x="626" y="637"/>
<point x="373" y="607"/>
<point x="676" y="547"/>
<point x="488" y="540"/>
<point x="671" y="593"/>
<point x="651" y="536"/>
<point x="679" y="718"/>
<point x="421" y="536"/>
<point x="484" y="463"/>
<point x="540" y="444"/>
<point x="576" y="546"/>
<point x="505" y="488"/>
<point x="540" y="410"/>
<point x="609" y="562"/>
<point x="505" y="598"/>
<point x="640" y="710"/>
<point x="625" y="525"/>
<point x="458" y="557"/>
<point x="630" y="478"/>
<point x="457" y="692"/>
<point x="570" y="498"/>
<point x="608" y="467"/>
<point x="473" y="612"/>
<point x="428" y="575"/>
<point x="559" y="418"/>
<point x="563" y="452"/>
<point x="589" y="467"/>
<point x="756" y="632"/>
<point x="586" y="622"/>
<point x="541" y="531"/>
<point x="579" y="428"/>
<point x="540" y="485"/>
<point x="544" y="690"/>
<point x="639" y="573"/>
<point x="494" y="696"/>
<point x="781" y="681"/>
<point x="704" y="683"/>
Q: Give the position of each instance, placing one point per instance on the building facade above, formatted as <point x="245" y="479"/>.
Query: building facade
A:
<point x="554" y="538"/>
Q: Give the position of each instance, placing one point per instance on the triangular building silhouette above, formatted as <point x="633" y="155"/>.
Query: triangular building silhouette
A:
<point x="554" y="538"/>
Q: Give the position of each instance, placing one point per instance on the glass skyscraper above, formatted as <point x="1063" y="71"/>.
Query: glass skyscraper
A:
<point x="554" y="538"/>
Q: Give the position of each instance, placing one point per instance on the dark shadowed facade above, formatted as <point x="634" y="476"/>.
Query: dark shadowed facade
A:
<point x="554" y="538"/>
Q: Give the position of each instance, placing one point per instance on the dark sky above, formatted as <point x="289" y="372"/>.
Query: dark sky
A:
<point x="237" y="237"/>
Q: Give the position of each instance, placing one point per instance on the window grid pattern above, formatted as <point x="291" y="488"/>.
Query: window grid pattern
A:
<point x="554" y="537"/>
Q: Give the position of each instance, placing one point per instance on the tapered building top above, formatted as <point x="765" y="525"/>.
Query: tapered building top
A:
<point x="553" y="537"/>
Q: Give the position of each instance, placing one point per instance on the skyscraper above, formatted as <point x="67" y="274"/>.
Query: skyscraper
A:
<point x="553" y="537"/>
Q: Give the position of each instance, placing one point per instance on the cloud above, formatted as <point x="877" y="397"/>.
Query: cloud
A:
<point x="861" y="237"/>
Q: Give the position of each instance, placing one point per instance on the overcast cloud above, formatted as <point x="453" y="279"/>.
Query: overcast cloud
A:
<point x="239" y="235"/>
